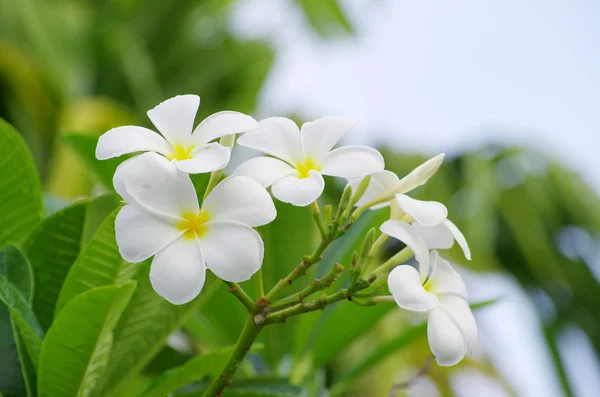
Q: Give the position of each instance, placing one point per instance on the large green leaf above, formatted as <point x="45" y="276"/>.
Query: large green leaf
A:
<point x="17" y="269"/>
<point x="99" y="264"/>
<point x="257" y="387"/>
<point x="142" y="331"/>
<point x="206" y="365"/>
<point x="52" y="249"/>
<point x="76" y="350"/>
<point x="54" y="246"/>
<point x="14" y="305"/>
<point x="21" y="207"/>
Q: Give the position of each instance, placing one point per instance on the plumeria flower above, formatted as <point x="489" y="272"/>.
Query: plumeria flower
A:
<point x="302" y="157"/>
<point x="451" y="327"/>
<point x="162" y="218"/>
<point x="192" y="152"/>
<point x="384" y="185"/>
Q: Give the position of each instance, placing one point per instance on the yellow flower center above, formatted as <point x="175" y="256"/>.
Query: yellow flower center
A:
<point x="193" y="225"/>
<point x="182" y="152"/>
<point x="304" y="169"/>
<point x="428" y="285"/>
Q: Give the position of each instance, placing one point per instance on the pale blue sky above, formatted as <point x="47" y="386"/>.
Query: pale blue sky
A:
<point x="449" y="75"/>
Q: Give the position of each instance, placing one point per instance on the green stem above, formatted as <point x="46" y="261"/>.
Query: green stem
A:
<point x="317" y="304"/>
<point x="239" y="293"/>
<point x="298" y="271"/>
<point x="258" y="284"/>
<point x="395" y="260"/>
<point x="316" y="213"/>
<point x="242" y="346"/>
<point x="316" y="285"/>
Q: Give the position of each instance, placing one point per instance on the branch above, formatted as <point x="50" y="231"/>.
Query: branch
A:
<point x="239" y="293"/>
<point x="317" y="304"/>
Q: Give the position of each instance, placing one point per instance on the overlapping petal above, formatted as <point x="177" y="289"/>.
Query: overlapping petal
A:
<point x="178" y="272"/>
<point x="299" y="191"/>
<point x="174" y="118"/>
<point x="221" y="124"/>
<point x="442" y="236"/>
<point x="352" y="162"/>
<point x="240" y="199"/>
<point x="233" y="251"/>
<point x="130" y="139"/>
<point x="446" y="339"/>
<point x="208" y="158"/>
<point x="444" y="279"/>
<point x="459" y="237"/>
<point x="265" y="170"/>
<point x="320" y="136"/>
<point x="413" y="240"/>
<point x="276" y="136"/>
<point x="140" y="235"/>
<point x="404" y="283"/>
<point x="159" y="187"/>
<point x="460" y="312"/>
<point x="427" y="213"/>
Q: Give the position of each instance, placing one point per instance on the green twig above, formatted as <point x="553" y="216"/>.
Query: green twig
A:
<point x="316" y="285"/>
<point x="242" y="346"/>
<point x="258" y="284"/>
<point x="317" y="304"/>
<point x="242" y="296"/>
<point x="401" y="257"/>
<point x="316" y="213"/>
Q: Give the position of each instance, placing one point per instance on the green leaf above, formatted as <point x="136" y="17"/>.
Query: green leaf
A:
<point x="99" y="264"/>
<point x="52" y="249"/>
<point x="85" y="147"/>
<point x="142" y="331"/>
<point x="17" y="269"/>
<point x="258" y="387"/>
<point x="21" y="207"/>
<point x="76" y="351"/>
<point x="14" y="304"/>
<point x="206" y="365"/>
<point x="98" y="209"/>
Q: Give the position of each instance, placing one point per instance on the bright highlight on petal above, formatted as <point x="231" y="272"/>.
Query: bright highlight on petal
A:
<point x="427" y="213"/>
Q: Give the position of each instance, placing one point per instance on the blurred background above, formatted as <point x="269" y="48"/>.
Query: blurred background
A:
<point x="509" y="90"/>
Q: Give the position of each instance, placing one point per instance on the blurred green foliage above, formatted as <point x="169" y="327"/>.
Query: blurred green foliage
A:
<point x="70" y="70"/>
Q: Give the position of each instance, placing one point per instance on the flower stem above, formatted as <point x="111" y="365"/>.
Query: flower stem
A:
<point x="316" y="213"/>
<point x="317" y="304"/>
<point x="242" y="296"/>
<point x="316" y="285"/>
<point x="242" y="346"/>
<point x="298" y="271"/>
<point x="401" y="257"/>
<point x="258" y="284"/>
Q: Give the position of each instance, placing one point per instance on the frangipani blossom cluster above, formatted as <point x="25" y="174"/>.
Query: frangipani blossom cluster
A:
<point x="163" y="218"/>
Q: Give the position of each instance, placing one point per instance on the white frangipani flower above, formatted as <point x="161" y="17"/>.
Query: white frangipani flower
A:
<point x="451" y="327"/>
<point x="192" y="152"/>
<point x="385" y="184"/>
<point x="301" y="157"/>
<point x="162" y="218"/>
<point x="429" y="218"/>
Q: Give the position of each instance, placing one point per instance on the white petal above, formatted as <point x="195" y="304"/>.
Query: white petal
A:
<point x="427" y="213"/>
<point x="174" y="118"/>
<point x="413" y="240"/>
<point x="405" y="285"/>
<point x="446" y="339"/>
<point x="140" y="234"/>
<point x="178" y="272"/>
<point x="265" y="170"/>
<point x="208" y="158"/>
<point x="436" y="237"/>
<point x="320" y="136"/>
<point x="233" y="251"/>
<point x="240" y="199"/>
<point x="420" y="175"/>
<point x="352" y="162"/>
<point x="381" y="182"/>
<point x="127" y="169"/>
<point x="460" y="312"/>
<point x="444" y="279"/>
<point x="159" y="187"/>
<point x="459" y="237"/>
<point x="299" y="191"/>
<point x="130" y="139"/>
<point x="276" y="136"/>
<point x="220" y="124"/>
